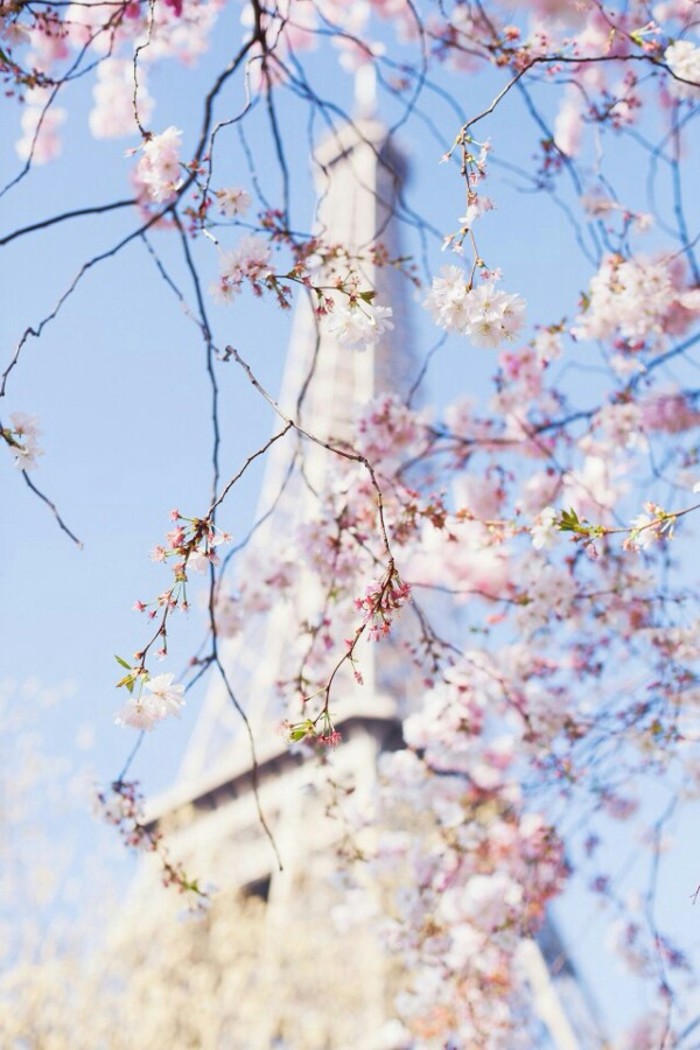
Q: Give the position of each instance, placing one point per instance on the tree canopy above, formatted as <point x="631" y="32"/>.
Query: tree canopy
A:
<point x="509" y="519"/>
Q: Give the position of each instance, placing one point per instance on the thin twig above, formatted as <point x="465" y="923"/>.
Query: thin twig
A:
<point x="54" y="509"/>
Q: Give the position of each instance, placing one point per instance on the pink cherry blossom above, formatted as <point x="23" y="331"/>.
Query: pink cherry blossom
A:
<point x="233" y="201"/>
<point x="113" y="114"/>
<point x="40" y="141"/>
<point x="639" y="299"/>
<point x="158" y="171"/>
<point x="248" y="261"/>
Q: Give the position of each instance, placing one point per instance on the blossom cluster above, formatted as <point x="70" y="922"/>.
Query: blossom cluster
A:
<point x="158" y="172"/>
<point x="650" y="527"/>
<point x="487" y="869"/>
<point x="639" y="302"/>
<point x="122" y="807"/>
<point x="114" y="112"/>
<point x="23" y="440"/>
<point x="389" y="433"/>
<point x="155" y="699"/>
<point x="484" y="313"/>
<point x="464" y="40"/>
<point x="262" y="584"/>
<point x="683" y="59"/>
<point x="248" y="261"/>
<point x="233" y="201"/>
<point x="380" y="603"/>
<point x="670" y="411"/>
<point x="360" y="325"/>
<point x="40" y="142"/>
<point x="192" y="543"/>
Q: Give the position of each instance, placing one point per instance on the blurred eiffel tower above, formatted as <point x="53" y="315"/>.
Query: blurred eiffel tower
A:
<point x="340" y="996"/>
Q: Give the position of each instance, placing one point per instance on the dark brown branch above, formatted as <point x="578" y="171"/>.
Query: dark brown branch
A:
<point x="54" y="509"/>
<point x="44" y="224"/>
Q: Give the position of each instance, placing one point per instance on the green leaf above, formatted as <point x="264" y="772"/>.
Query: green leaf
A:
<point x="570" y="522"/>
<point x="301" y="730"/>
<point x="367" y="297"/>
<point x="122" y="662"/>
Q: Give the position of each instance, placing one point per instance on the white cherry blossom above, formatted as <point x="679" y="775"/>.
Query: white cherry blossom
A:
<point x="487" y="315"/>
<point x="140" y="712"/>
<point x="25" y="445"/>
<point x="158" y="699"/>
<point x="683" y="59"/>
<point x="170" y="696"/>
<point x="360" y="327"/>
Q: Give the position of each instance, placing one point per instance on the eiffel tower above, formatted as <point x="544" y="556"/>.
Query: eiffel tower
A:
<point x="212" y="813"/>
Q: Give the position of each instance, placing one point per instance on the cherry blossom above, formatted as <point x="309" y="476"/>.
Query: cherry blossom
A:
<point x="114" y="113"/>
<point x="544" y="531"/>
<point x="157" y="699"/>
<point x="248" y="261"/>
<point x="233" y="201"/>
<point x="360" y="326"/>
<point x="485" y="314"/>
<point x="168" y="695"/>
<point x="568" y="127"/>
<point x="158" y="170"/>
<point x="23" y="440"/>
<point x="683" y="59"/>
<point x="142" y="712"/>
<point x="41" y="120"/>
<point x="478" y="206"/>
<point x="640" y="299"/>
